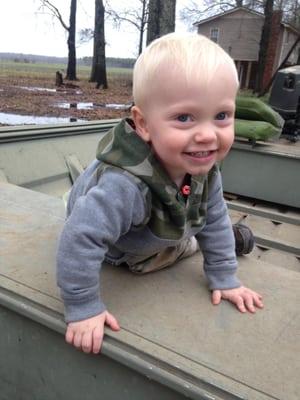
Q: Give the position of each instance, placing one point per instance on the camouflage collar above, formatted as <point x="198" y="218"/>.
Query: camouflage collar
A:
<point x="123" y="149"/>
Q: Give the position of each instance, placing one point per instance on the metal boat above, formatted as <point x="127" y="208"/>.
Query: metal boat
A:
<point x="173" y="343"/>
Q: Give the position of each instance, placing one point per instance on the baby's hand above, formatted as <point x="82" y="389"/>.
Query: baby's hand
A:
<point x="245" y="299"/>
<point x="87" y="335"/>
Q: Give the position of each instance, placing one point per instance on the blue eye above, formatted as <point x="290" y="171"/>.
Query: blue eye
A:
<point x="183" y="117"/>
<point x="221" y="116"/>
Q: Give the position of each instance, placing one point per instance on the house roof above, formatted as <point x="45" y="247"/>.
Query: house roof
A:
<point x="248" y="10"/>
<point x="290" y="27"/>
<point x="231" y="11"/>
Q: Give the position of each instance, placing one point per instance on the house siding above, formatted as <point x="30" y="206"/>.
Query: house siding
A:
<point x="288" y="39"/>
<point x="279" y="55"/>
<point x="238" y="34"/>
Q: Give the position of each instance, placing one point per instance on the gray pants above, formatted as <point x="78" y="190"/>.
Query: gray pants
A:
<point x="165" y="258"/>
<point x="161" y="260"/>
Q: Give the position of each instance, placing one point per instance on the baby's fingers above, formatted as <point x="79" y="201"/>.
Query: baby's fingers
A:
<point x="86" y="342"/>
<point x="112" y="322"/>
<point x="239" y="302"/>
<point x="97" y="338"/>
<point x="216" y="297"/>
<point x="249" y="302"/>
<point x="257" y="299"/>
<point x="69" y="336"/>
<point x="77" y="340"/>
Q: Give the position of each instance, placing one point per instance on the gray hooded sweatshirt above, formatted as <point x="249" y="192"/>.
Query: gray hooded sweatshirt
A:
<point x="119" y="212"/>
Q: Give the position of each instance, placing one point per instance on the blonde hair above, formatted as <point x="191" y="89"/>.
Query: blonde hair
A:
<point x="194" y="56"/>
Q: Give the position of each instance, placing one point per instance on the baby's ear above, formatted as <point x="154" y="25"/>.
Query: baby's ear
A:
<point x="140" y="123"/>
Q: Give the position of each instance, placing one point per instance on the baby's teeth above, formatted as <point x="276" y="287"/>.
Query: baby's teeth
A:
<point x="201" y="153"/>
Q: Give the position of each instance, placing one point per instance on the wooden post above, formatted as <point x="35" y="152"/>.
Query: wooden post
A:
<point x="248" y="74"/>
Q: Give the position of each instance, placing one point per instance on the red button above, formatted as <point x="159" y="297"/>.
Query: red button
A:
<point x="186" y="190"/>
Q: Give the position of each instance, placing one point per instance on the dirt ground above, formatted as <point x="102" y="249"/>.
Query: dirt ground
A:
<point x="17" y="96"/>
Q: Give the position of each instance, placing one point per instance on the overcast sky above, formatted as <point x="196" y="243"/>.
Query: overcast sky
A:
<point x="24" y="29"/>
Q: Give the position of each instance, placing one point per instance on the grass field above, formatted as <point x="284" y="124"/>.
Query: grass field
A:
<point x="39" y="70"/>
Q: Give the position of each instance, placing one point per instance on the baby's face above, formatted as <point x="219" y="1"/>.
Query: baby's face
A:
<point x="190" y="127"/>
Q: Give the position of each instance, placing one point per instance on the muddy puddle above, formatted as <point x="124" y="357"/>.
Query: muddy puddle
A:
<point x="93" y="106"/>
<point x="42" y="89"/>
<point x="37" y="89"/>
<point x="16" y="119"/>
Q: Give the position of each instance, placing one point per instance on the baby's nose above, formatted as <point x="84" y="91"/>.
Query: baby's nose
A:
<point x="205" y="132"/>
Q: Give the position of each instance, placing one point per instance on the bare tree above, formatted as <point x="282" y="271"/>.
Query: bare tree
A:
<point x="98" y="73"/>
<point x="135" y="16"/>
<point x="264" y="44"/>
<point x="161" y="18"/>
<point x="71" y="29"/>
<point x="291" y="12"/>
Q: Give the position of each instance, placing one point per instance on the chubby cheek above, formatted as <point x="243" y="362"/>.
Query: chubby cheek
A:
<point x="164" y="143"/>
<point x="225" y="143"/>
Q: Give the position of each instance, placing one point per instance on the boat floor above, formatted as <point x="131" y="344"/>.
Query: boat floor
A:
<point x="166" y="317"/>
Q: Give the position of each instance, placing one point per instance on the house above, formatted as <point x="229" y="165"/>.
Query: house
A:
<point x="238" y="31"/>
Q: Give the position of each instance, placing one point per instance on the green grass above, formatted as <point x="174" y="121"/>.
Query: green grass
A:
<point x="39" y="70"/>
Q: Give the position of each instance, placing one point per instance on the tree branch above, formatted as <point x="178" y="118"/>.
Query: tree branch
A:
<point x="55" y="12"/>
<point x="118" y="17"/>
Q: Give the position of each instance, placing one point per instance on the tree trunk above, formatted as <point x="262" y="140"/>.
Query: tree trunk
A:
<point x="98" y="73"/>
<point x="167" y="20"/>
<point x="153" y="20"/>
<point x="142" y="27"/>
<point x="71" y="68"/>
<point x="265" y="90"/>
<point x="161" y="18"/>
<point x="264" y="43"/>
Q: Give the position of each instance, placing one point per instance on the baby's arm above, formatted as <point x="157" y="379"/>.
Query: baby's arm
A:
<point x="87" y="335"/>
<point x="217" y="243"/>
<point x="97" y="220"/>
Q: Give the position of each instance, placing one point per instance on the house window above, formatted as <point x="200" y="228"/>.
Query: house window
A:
<point x="214" y="34"/>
